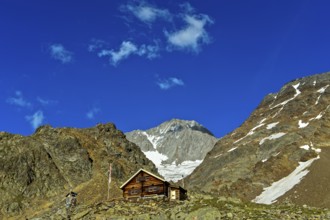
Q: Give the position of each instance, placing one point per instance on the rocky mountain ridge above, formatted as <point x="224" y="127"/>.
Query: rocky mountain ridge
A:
<point x="280" y="152"/>
<point x="175" y="146"/>
<point x="37" y="171"/>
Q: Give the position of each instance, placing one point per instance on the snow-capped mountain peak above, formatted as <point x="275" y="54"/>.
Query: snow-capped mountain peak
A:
<point x="176" y="147"/>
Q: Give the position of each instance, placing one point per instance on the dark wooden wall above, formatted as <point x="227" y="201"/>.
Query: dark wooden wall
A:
<point x="145" y="185"/>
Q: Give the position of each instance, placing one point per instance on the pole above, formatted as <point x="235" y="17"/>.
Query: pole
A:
<point x="109" y="181"/>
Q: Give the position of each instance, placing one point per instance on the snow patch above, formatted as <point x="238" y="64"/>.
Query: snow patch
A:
<point x="296" y="88"/>
<point x="262" y="121"/>
<point x="232" y="149"/>
<point x="302" y="124"/>
<point x="272" y="125"/>
<point x="155" y="157"/>
<point x="317" y="100"/>
<point x="322" y="90"/>
<point x="305" y="147"/>
<point x="272" y="137"/>
<point x="317" y="150"/>
<point x="216" y="156"/>
<point x="173" y="172"/>
<point x="275" y="155"/>
<point x="319" y="116"/>
<point x="154" y="140"/>
<point x="251" y="132"/>
<point x="278" y="112"/>
<point x="279" y="188"/>
<point x="192" y="124"/>
<point x="286" y="101"/>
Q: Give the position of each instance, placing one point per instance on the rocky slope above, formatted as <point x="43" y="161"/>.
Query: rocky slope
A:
<point x="284" y="145"/>
<point x="36" y="172"/>
<point x="177" y="147"/>
<point x="199" y="206"/>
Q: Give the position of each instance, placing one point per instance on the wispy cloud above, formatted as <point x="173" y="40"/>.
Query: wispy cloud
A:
<point x="193" y="35"/>
<point x="150" y="51"/>
<point x="45" y="102"/>
<point x="58" y="52"/>
<point x="19" y="100"/>
<point x="91" y="113"/>
<point x="169" y="83"/>
<point x="36" y="119"/>
<point x="146" y="12"/>
<point x="187" y="8"/>
<point x="96" y="44"/>
<point x="127" y="49"/>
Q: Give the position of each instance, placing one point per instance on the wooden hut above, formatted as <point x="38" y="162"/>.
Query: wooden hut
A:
<point x="146" y="184"/>
<point x="177" y="193"/>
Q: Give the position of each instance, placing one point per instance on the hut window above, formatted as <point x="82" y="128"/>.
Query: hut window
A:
<point x="153" y="188"/>
<point x="134" y="191"/>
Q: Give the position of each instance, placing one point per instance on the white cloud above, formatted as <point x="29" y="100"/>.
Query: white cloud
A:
<point x="193" y="35"/>
<point x="91" y="114"/>
<point x="19" y="100"/>
<point x="58" y="52"/>
<point x="169" y="83"/>
<point x="189" y="37"/>
<point x="36" y="119"/>
<point x="146" y="12"/>
<point x="46" y="102"/>
<point x="127" y="49"/>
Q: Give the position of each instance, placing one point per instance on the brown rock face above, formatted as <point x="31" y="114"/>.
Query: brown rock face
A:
<point x="286" y="129"/>
<point x="37" y="171"/>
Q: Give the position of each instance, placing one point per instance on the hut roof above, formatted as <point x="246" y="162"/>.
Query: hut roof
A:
<point x="141" y="170"/>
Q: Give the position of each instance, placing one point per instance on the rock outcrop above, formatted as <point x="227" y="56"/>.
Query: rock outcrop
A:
<point x="177" y="147"/>
<point x="37" y="171"/>
<point x="283" y="145"/>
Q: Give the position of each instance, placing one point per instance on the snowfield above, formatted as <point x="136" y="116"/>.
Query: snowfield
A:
<point x="172" y="172"/>
<point x="279" y="188"/>
<point x="177" y="172"/>
<point x="155" y="157"/>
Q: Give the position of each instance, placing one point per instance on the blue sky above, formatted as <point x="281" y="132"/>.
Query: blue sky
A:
<point x="140" y="63"/>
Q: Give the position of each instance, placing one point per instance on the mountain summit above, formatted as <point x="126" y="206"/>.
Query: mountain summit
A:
<point x="176" y="147"/>
<point x="281" y="152"/>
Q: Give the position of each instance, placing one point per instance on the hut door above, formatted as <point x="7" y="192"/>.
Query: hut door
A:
<point x="173" y="194"/>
